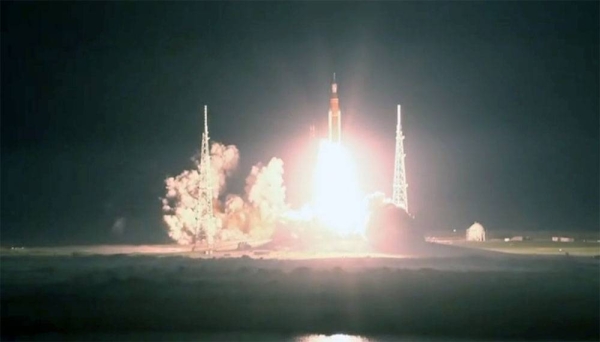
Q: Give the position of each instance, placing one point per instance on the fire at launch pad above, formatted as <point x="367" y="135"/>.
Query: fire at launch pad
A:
<point x="337" y="210"/>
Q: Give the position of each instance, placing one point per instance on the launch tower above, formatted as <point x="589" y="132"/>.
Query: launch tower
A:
<point x="205" y="218"/>
<point x="335" y="116"/>
<point x="400" y="194"/>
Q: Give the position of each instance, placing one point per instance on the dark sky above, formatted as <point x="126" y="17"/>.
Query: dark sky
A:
<point x="101" y="101"/>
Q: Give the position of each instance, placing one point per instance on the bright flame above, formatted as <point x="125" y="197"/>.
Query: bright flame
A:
<point x="303" y="214"/>
<point x="337" y="202"/>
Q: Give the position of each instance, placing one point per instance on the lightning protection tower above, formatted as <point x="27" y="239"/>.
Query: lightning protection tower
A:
<point x="205" y="218"/>
<point x="400" y="194"/>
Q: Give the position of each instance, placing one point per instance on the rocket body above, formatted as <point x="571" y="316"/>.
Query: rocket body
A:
<point x="335" y="116"/>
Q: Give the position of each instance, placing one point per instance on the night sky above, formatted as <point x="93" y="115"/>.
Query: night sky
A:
<point x="102" y="101"/>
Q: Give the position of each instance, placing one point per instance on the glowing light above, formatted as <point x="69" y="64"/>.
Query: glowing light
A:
<point x="337" y="203"/>
<point x="333" y="338"/>
<point x="304" y="214"/>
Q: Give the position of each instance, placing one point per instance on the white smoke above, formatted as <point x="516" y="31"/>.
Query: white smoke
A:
<point x="235" y="215"/>
<point x="178" y="205"/>
<point x="118" y="227"/>
<point x="265" y="193"/>
<point x="182" y="193"/>
<point x="304" y="214"/>
<point x="255" y="214"/>
<point x="223" y="161"/>
<point x="375" y="200"/>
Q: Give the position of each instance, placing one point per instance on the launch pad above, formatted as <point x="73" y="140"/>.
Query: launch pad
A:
<point x="197" y="211"/>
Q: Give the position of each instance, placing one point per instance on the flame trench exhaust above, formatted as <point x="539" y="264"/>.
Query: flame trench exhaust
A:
<point x="337" y="203"/>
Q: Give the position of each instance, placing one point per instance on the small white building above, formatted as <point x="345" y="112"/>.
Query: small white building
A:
<point x="476" y="232"/>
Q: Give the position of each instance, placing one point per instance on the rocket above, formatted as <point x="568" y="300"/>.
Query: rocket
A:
<point x="335" y="115"/>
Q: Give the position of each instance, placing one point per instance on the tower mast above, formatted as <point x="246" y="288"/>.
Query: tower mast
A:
<point x="400" y="194"/>
<point x="205" y="218"/>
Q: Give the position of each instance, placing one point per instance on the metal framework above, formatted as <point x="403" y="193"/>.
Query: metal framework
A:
<point x="400" y="193"/>
<point x="205" y="218"/>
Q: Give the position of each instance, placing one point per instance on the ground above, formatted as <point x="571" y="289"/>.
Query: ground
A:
<point x="578" y="248"/>
<point x="169" y="293"/>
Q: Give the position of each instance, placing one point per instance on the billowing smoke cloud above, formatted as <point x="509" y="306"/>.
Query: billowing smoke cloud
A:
<point x="375" y="200"/>
<point x="255" y="214"/>
<point x="182" y="193"/>
<point x="179" y="204"/>
<point x="223" y="161"/>
<point x="265" y="193"/>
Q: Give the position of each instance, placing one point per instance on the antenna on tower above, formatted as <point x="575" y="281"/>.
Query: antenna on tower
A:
<point x="206" y="121"/>
<point x="205" y="217"/>
<point x="400" y="194"/>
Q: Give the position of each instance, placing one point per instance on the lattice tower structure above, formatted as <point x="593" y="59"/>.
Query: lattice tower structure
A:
<point x="205" y="217"/>
<point x="400" y="187"/>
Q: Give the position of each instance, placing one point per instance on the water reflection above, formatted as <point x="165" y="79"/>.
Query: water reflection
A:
<point x="333" y="338"/>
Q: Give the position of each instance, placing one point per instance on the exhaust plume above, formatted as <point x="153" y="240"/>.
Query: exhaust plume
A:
<point x="254" y="214"/>
<point x="265" y="193"/>
<point x="223" y="161"/>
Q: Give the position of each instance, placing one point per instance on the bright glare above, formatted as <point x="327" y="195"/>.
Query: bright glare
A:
<point x="304" y="214"/>
<point x="333" y="338"/>
<point x="337" y="202"/>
